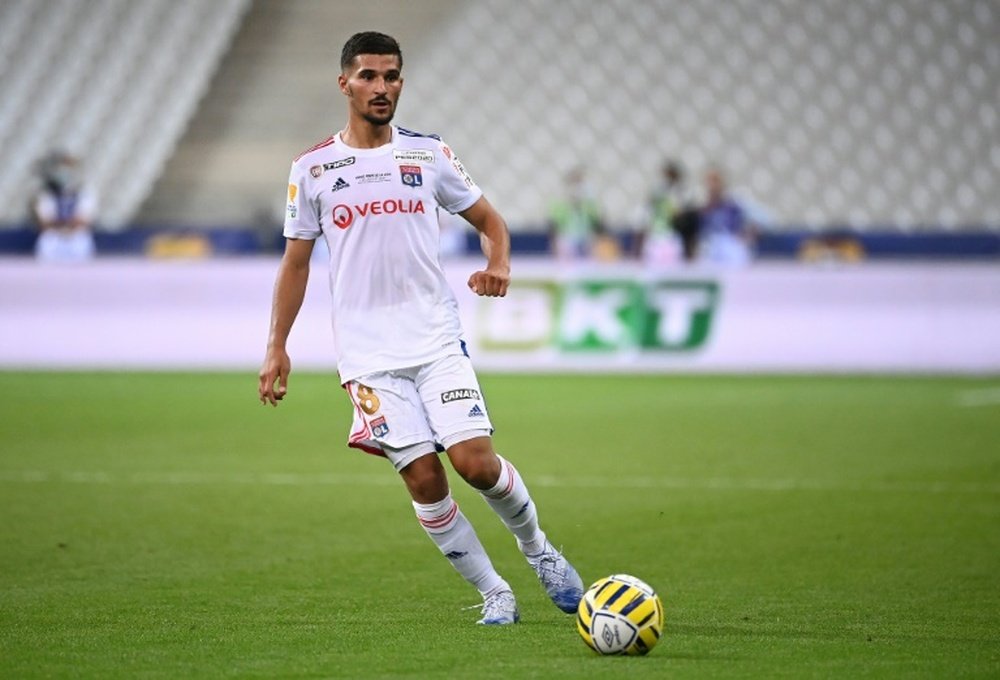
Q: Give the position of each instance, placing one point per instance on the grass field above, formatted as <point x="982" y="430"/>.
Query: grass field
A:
<point x="168" y="526"/>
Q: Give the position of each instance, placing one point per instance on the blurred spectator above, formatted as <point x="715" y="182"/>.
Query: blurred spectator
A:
<point x="575" y="219"/>
<point x="670" y="229"/>
<point x="727" y="235"/>
<point x="64" y="210"/>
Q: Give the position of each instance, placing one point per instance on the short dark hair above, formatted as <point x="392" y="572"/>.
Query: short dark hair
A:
<point x="369" y="42"/>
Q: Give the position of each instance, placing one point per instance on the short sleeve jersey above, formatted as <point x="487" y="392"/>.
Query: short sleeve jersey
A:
<point x="377" y="209"/>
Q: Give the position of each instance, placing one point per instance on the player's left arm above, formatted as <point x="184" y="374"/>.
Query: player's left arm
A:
<point x="494" y="238"/>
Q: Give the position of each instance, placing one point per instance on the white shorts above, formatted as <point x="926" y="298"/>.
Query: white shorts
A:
<point x="407" y="413"/>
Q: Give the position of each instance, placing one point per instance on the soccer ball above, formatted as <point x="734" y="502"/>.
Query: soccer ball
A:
<point x="620" y="615"/>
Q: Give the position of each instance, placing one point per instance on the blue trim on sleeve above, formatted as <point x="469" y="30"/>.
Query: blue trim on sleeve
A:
<point x="411" y="133"/>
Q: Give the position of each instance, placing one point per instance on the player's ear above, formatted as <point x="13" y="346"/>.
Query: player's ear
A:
<point x="342" y="82"/>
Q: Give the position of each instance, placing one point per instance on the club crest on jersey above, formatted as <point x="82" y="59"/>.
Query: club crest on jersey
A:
<point x="379" y="427"/>
<point x="411" y="175"/>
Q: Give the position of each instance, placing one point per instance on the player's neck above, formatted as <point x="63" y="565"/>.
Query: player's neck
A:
<point x="361" y="134"/>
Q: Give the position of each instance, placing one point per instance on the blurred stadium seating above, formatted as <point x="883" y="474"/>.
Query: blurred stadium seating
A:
<point x="870" y="115"/>
<point x="112" y="80"/>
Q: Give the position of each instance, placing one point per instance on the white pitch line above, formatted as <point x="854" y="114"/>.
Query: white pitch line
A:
<point x="541" y="481"/>
<point x="985" y="396"/>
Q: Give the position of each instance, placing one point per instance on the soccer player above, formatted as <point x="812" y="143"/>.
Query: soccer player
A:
<point x="372" y="191"/>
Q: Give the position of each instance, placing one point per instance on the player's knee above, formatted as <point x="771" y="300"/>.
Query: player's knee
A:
<point x="476" y="462"/>
<point x="425" y="479"/>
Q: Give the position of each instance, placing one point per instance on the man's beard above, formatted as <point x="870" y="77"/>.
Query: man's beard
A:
<point x="378" y="120"/>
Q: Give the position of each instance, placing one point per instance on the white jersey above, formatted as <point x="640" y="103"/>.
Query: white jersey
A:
<point x="377" y="208"/>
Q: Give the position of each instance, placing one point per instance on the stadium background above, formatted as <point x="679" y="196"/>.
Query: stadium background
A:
<point x="875" y="122"/>
<point x="875" y="115"/>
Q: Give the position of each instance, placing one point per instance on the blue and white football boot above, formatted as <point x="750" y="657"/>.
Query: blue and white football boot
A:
<point x="560" y="580"/>
<point x="500" y="609"/>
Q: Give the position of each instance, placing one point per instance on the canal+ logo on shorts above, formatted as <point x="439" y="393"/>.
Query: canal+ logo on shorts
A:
<point x="344" y="215"/>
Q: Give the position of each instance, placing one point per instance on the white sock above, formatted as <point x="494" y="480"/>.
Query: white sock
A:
<point x="457" y="540"/>
<point x="510" y="499"/>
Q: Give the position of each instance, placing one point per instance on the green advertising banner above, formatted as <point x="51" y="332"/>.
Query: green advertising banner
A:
<point x="557" y="317"/>
<point x="600" y="315"/>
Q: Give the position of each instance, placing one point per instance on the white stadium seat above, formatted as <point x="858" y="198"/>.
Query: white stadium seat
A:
<point x="825" y="111"/>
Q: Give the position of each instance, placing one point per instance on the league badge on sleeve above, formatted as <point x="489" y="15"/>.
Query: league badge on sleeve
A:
<point x="411" y="175"/>
<point x="293" y="210"/>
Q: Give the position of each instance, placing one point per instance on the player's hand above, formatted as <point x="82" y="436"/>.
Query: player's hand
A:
<point x="273" y="385"/>
<point x="491" y="282"/>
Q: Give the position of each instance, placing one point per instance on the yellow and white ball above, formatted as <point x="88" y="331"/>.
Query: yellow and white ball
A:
<point x="620" y="614"/>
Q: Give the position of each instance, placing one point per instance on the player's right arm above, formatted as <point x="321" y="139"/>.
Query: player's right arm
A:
<point x="289" y="291"/>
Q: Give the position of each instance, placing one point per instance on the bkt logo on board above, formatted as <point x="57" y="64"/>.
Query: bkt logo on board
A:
<point x="600" y="316"/>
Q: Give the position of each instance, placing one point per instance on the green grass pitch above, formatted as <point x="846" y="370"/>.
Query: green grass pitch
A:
<point x="168" y="526"/>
